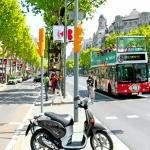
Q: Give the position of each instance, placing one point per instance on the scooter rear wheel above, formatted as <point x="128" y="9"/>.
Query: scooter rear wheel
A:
<point x="35" y="145"/>
<point x="101" y="140"/>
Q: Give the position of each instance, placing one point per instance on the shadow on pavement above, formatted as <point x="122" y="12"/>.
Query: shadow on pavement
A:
<point x="20" y="96"/>
<point x="117" y="132"/>
<point x="103" y="96"/>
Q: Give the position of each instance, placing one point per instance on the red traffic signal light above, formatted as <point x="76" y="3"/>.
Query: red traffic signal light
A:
<point x="77" y="39"/>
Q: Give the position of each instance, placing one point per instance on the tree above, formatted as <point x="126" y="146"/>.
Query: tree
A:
<point x="85" y="57"/>
<point x="69" y="65"/>
<point x="15" y="34"/>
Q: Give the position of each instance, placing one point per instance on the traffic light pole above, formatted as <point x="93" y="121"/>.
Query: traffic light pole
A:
<point x="42" y="72"/>
<point x="76" y="91"/>
<point x="65" y="38"/>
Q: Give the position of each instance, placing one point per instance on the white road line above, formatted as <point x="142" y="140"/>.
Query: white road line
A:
<point x="15" y="123"/>
<point x="133" y="116"/>
<point x="13" y="105"/>
<point x="145" y="96"/>
<point x="111" y="118"/>
<point x="148" y="114"/>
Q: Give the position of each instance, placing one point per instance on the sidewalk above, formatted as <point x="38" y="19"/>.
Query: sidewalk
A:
<point x="23" y="143"/>
<point x="2" y="86"/>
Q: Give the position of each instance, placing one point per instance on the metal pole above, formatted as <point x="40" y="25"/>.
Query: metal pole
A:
<point x="48" y="52"/>
<point x="76" y="91"/>
<point x="2" y="65"/>
<point x="65" y="37"/>
<point x="42" y="84"/>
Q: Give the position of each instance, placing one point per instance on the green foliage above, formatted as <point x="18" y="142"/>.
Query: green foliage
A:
<point x="15" y="34"/>
<point x="70" y="64"/>
<point x="85" y="57"/>
<point x="53" y="10"/>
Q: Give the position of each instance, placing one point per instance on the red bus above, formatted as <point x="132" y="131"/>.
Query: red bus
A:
<point x="124" y="70"/>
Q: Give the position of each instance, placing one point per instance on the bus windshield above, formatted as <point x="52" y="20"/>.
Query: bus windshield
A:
<point x="132" y="73"/>
<point x="131" y="44"/>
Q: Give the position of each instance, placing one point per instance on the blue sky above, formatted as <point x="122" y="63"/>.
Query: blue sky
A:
<point x="109" y="10"/>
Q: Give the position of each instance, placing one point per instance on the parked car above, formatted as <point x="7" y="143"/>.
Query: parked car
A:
<point x="38" y="78"/>
<point x="19" y="79"/>
<point x="12" y="80"/>
<point x="2" y="79"/>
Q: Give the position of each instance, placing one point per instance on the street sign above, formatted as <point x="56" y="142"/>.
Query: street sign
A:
<point x="58" y="33"/>
<point x="81" y="15"/>
<point x="70" y="33"/>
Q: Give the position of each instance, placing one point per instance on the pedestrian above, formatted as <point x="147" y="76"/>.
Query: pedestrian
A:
<point x="58" y="89"/>
<point x="53" y="79"/>
<point x="47" y="85"/>
<point x="90" y="86"/>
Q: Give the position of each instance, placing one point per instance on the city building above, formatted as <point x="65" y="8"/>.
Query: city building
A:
<point x="100" y="33"/>
<point x="129" y="22"/>
<point x="87" y="43"/>
<point x="71" y="55"/>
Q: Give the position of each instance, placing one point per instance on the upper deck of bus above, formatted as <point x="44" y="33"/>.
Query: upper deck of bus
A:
<point x="129" y="49"/>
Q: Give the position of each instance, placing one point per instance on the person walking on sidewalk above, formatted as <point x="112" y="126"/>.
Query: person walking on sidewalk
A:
<point x="90" y="86"/>
<point x="46" y="87"/>
<point x="53" y="79"/>
<point x="58" y="89"/>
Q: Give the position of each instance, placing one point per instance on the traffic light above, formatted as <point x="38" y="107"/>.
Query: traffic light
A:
<point x="77" y="39"/>
<point x="41" y="43"/>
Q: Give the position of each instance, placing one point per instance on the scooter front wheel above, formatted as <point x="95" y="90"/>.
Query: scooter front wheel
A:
<point x="101" y="141"/>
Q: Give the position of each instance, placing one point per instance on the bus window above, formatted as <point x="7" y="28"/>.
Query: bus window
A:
<point x="141" y="73"/>
<point x="125" y="73"/>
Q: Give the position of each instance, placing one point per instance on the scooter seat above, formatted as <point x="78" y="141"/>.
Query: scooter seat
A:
<point x="65" y="119"/>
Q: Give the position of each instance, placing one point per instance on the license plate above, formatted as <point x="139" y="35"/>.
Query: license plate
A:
<point x="134" y="93"/>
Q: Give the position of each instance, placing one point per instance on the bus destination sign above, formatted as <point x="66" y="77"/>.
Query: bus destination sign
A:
<point x="130" y="57"/>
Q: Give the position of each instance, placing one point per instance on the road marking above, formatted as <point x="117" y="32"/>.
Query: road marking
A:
<point x="133" y="116"/>
<point x="148" y="114"/>
<point x="15" y="123"/>
<point x="28" y="105"/>
<point x="111" y="118"/>
<point x="13" y="105"/>
<point x="145" y="96"/>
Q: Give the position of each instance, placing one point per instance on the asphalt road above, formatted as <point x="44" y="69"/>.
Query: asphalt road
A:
<point x="127" y="117"/>
<point x="15" y="102"/>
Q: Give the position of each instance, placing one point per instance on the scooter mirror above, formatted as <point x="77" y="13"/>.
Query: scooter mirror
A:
<point x="76" y="98"/>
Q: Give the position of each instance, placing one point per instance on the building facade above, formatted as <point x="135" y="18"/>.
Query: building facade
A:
<point x="100" y="33"/>
<point x="129" y="22"/>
